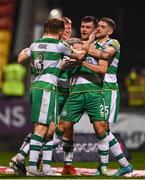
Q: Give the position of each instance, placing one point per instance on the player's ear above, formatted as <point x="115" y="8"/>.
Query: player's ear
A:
<point x="110" y="31"/>
<point x="61" y="34"/>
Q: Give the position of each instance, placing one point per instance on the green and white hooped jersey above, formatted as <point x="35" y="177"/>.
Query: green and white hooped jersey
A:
<point x="63" y="83"/>
<point x="63" y="80"/>
<point x="46" y="54"/>
<point x="84" y="80"/>
<point x="110" y="78"/>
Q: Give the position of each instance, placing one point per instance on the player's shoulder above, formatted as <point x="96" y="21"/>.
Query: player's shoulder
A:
<point x="33" y="44"/>
<point x="114" y="43"/>
<point x="63" y="43"/>
<point x="65" y="46"/>
<point x="47" y="40"/>
<point x="38" y="40"/>
<point x="36" y="43"/>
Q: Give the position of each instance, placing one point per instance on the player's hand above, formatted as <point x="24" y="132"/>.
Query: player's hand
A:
<point x="92" y="37"/>
<point x="24" y="50"/>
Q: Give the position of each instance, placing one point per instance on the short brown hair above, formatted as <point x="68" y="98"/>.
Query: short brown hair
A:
<point x="66" y="20"/>
<point x="54" y="25"/>
<point x="90" y="19"/>
<point x="109" y="21"/>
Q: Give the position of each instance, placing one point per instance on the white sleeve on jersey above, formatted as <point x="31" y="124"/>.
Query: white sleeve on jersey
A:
<point x="28" y="52"/>
<point x="65" y="49"/>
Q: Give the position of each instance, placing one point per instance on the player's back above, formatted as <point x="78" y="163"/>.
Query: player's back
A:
<point x="45" y="63"/>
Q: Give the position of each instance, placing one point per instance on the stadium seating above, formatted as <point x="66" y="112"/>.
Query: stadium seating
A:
<point x="6" y="30"/>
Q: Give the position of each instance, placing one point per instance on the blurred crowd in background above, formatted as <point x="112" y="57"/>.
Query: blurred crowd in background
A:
<point x="135" y="87"/>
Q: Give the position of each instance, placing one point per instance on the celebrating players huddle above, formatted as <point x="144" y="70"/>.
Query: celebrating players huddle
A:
<point x="71" y="76"/>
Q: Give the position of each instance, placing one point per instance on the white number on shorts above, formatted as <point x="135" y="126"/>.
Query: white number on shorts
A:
<point x="106" y="108"/>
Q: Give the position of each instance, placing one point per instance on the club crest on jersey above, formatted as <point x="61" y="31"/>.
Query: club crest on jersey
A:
<point x="64" y="113"/>
<point x="50" y="117"/>
<point x="68" y="46"/>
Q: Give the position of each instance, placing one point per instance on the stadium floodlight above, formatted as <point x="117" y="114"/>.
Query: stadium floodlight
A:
<point x="55" y="13"/>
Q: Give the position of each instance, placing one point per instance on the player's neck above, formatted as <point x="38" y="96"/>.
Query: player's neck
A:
<point x="55" y="36"/>
<point x="103" y="39"/>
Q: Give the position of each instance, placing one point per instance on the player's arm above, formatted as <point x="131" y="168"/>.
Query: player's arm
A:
<point x="78" y="49"/>
<point x="75" y="46"/>
<point x="67" y="50"/>
<point x="106" y="53"/>
<point x="78" y="55"/>
<point x="23" y="55"/>
<point x="69" y="63"/>
<point x="100" y="68"/>
<point x="73" y="41"/>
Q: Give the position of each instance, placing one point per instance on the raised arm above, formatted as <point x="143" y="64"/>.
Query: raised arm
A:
<point x="106" y="53"/>
<point x="69" y="51"/>
<point x="23" y="55"/>
<point x="78" y="55"/>
<point x="91" y="39"/>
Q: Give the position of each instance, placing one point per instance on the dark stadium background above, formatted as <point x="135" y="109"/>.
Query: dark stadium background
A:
<point x="128" y="15"/>
<point x="26" y="20"/>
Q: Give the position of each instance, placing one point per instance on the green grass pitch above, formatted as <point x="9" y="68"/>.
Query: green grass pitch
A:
<point x="138" y="162"/>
